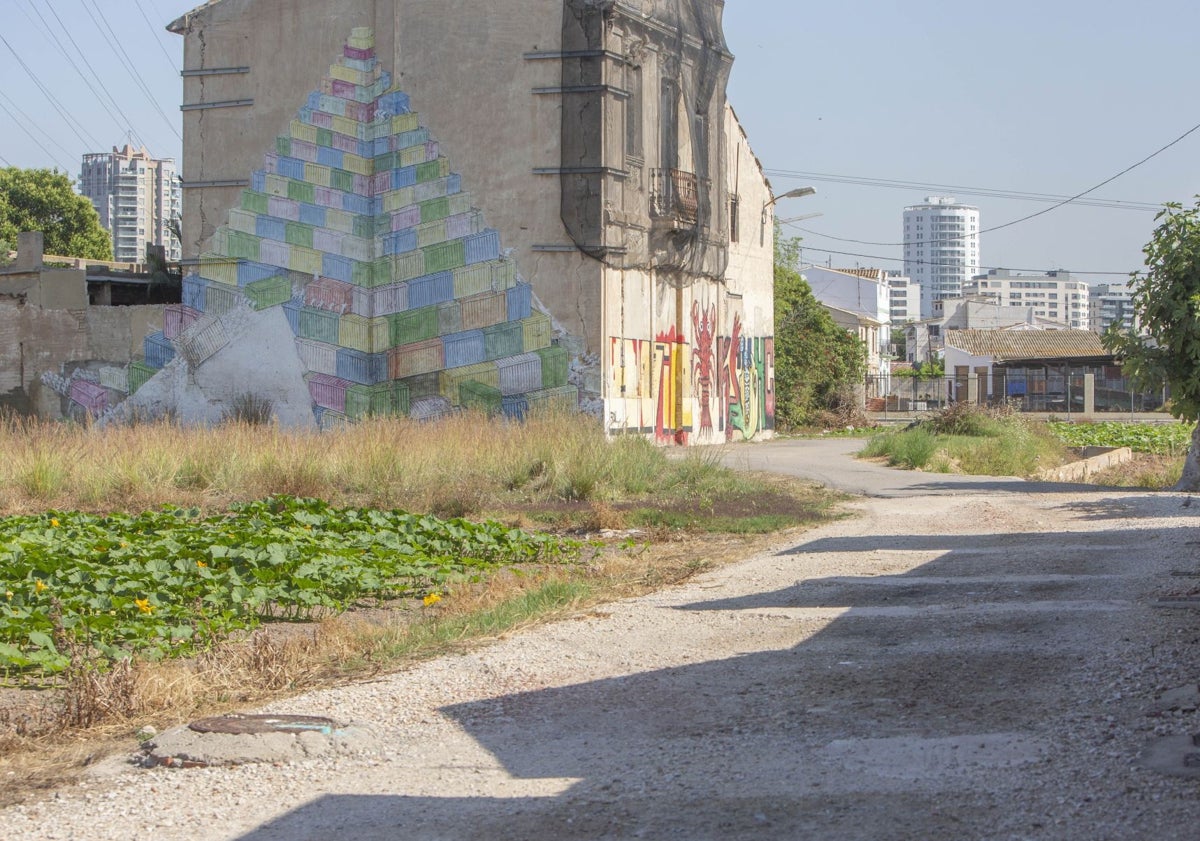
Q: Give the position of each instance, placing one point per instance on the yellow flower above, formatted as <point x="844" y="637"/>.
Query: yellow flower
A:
<point x="39" y="586"/>
<point x="201" y="564"/>
<point x="124" y="544"/>
<point x="8" y="594"/>
<point x="432" y="599"/>
<point x="54" y="522"/>
<point x="143" y="605"/>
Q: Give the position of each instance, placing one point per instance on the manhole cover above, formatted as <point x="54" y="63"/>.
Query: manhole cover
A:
<point x="246" y="725"/>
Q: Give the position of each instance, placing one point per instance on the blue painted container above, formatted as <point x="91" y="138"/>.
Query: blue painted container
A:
<point x="337" y="267"/>
<point x="249" y="271"/>
<point x="291" y="168"/>
<point x="430" y="289"/>
<point x="361" y="368"/>
<point x="453" y="183"/>
<point x="404" y="177"/>
<point x="159" y="350"/>
<point x="312" y="214"/>
<point x="482" y="246"/>
<point x="194" y="292"/>
<point x="314" y="100"/>
<point x="515" y="407"/>
<point x="327" y="156"/>
<point x="520" y="301"/>
<point x="291" y="309"/>
<point x="394" y="102"/>
<point x="258" y="180"/>
<point x="268" y="227"/>
<point x="400" y="242"/>
<point x="466" y="348"/>
<point x="352" y="203"/>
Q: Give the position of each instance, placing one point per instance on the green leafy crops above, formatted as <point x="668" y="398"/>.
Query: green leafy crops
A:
<point x="171" y="581"/>
<point x="1169" y="439"/>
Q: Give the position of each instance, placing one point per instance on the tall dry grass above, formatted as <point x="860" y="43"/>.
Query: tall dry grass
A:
<point x="457" y="466"/>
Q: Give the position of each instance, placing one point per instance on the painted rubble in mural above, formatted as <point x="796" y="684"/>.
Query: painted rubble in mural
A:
<point x="355" y="277"/>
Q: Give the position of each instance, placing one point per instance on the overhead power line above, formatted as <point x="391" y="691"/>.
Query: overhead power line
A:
<point x="75" y="126"/>
<point x="29" y="121"/>
<point x="157" y="35"/>
<point x="1016" y="195"/>
<point x="1044" y="211"/>
<point x="127" y="63"/>
<point x="24" y="124"/>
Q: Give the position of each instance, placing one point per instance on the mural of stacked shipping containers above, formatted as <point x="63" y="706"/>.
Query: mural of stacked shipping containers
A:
<point x="398" y="295"/>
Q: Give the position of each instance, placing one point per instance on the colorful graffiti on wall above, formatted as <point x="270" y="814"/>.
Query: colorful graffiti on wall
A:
<point x="728" y="381"/>
<point x="398" y="295"/>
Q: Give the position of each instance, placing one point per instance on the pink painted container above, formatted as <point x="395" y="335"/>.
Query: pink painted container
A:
<point x="327" y="197"/>
<point x="362" y="185"/>
<point x="282" y="208"/>
<point x="409" y="217"/>
<point x="345" y="143"/>
<point x="328" y="392"/>
<point x="91" y="396"/>
<point x="391" y="298"/>
<point x="432" y="150"/>
<point x="177" y="318"/>
<point x="329" y="294"/>
<point x="271" y="163"/>
<point x="463" y="224"/>
<point x="304" y="150"/>
<point x="346" y="90"/>
<point x="322" y="120"/>
<point x="329" y="241"/>
<point x="380" y="182"/>
<point x="356" y="53"/>
<point x="275" y="253"/>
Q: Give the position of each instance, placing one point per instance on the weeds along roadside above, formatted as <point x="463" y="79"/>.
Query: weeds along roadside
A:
<point x="553" y="472"/>
<point x="965" y="438"/>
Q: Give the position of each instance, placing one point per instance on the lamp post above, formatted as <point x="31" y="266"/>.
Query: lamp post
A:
<point x="798" y="193"/>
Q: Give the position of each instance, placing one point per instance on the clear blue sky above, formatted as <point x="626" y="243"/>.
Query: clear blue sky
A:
<point x="1047" y="97"/>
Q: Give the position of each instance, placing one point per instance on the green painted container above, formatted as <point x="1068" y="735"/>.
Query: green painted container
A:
<point x="367" y="400"/>
<point x="283" y="145"/>
<point x="444" y="256"/>
<point x="297" y="233"/>
<point x="422" y="385"/>
<point x="324" y="137"/>
<point x="269" y="292"/>
<point x="319" y="325"/>
<point x="363" y="274"/>
<point x="400" y="397"/>
<point x="254" y="202"/>
<point x="477" y="395"/>
<point x="364" y="226"/>
<point x="413" y="325"/>
<point x="432" y="170"/>
<point x="562" y="398"/>
<point x="506" y="339"/>
<point x="242" y="245"/>
<point x="555" y="366"/>
<point x="342" y="180"/>
<point x="301" y="191"/>
<point x="138" y="373"/>
<point x="449" y="318"/>
<point x="435" y="209"/>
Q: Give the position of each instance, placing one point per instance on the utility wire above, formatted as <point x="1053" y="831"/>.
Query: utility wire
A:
<point x="4" y="160"/>
<point x="157" y="35"/>
<point x="128" y="124"/>
<point x="78" y="132"/>
<point x="1044" y="211"/>
<point x="29" y="121"/>
<point x="127" y="62"/>
<point x="946" y="189"/>
<point x="25" y="129"/>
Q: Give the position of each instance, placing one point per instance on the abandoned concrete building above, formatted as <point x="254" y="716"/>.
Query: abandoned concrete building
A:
<point x="409" y="207"/>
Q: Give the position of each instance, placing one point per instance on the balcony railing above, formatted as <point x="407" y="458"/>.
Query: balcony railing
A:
<point x="675" y="195"/>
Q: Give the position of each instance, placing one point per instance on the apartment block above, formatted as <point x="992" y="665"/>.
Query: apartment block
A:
<point x="138" y="198"/>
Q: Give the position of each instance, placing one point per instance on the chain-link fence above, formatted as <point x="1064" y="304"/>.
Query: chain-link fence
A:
<point x="1059" y="392"/>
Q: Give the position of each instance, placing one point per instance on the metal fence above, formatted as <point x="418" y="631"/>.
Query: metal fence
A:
<point x="1029" y="391"/>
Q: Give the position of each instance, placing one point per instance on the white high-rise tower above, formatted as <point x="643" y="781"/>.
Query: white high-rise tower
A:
<point x="137" y="197"/>
<point x="941" y="248"/>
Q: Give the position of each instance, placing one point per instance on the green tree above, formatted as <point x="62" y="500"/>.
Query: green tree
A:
<point x="44" y="200"/>
<point x="1166" y="304"/>
<point x="816" y="361"/>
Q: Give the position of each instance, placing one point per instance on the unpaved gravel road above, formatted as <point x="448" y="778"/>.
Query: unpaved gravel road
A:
<point x="961" y="660"/>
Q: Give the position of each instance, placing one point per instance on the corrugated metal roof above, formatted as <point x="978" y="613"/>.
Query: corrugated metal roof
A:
<point x="1009" y="345"/>
<point x="869" y="274"/>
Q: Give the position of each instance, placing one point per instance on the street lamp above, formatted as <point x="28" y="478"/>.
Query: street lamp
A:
<point x="798" y="193"/>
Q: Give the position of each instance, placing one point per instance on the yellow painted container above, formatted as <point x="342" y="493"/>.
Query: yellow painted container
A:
<point x="405" y="122"/>
<point x="307" y="260"/>
<point x="451" y="379"/>
<point x="357" y="165"/>
<point x="303" y="131"/>
<point x="276" y="185"/>
<point x="339" y="220"/>
<point x="318" y="174"/>
<point x="354" y="331"/>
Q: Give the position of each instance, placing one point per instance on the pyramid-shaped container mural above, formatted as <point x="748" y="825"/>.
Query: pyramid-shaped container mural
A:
<point x="399" y="297"/>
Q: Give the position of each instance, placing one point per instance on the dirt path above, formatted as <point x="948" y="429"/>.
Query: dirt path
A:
<point x="971" y="664"/>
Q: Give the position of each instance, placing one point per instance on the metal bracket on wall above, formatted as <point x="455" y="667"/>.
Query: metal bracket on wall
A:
<point x="214" y="71"/>
<point x="229" y="182"/>
<point x="580" y="170"/>
<point x="229" y="103"/>
<point x="619" y="93"/>
<point x="567" y="249"/>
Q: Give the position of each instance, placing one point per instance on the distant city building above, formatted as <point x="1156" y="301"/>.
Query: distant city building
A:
<point x="904" y="297"/>
<point x="941" y="248"/>
<point x="1053" y="295"/>
<point x="138" y="197"/>
<point x="1110" y="303"/>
